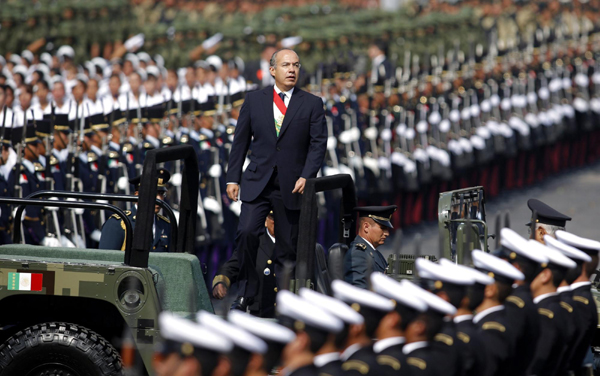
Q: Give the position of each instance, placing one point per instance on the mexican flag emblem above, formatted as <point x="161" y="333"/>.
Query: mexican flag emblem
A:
<point x="25" y="281"/>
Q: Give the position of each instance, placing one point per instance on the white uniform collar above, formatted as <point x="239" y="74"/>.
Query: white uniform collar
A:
<point x="486" y="312"/>
<point x="383" y="344"/>
<point x="323" y="359"/>
<point x="410" y="347"/>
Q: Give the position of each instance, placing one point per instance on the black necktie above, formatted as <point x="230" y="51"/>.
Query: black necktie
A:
<point x="282" y="96"/>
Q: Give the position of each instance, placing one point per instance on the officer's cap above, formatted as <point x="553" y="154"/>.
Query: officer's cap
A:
<point x="99" y="123"/>
<point x="304" y="313"/>
<point x="514" y="245"/>
<point x="333" y="306"/>
<point x="478" y="277"/>
<point x="547" y="215"/>
<point x="267" y="330"/>
<point x="240" y="337"/>
<point x="571" y="252"/>
<point x="439" y="274"/>
<point x="554" y="257"/>
<point x="589" y="246"/>
<point x="392" y="289"/>
<point x="42" y="128"/>
<point x="496" y="268"/>
<point x="61" y="122"/>
<point x="433" y="302"/>
<point x="153" y="71"/>
<point x="30" y="136"/>
<point x="380" y="214"/>
<point x="7" y="141"/>
<point x="358" y="298"/>
<point x="155" y="114"/>
<point x="180" y="330"/>
<point x="163" y="179"/>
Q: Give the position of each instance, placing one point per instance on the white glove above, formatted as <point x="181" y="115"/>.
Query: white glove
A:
<point x="51" y="242"/>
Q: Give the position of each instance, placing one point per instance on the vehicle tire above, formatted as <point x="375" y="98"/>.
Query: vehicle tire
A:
<point x="58" y="349"/>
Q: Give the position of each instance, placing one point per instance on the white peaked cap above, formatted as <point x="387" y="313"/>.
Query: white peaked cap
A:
<point x="520" y="245"/>
<point x="430" y="270"/>
<point x="433" y="301"/>
<point x="393" y="289"/>
<point x="571" y="252"/>
<point x="352" y="294"/>
<point x="495" y="265"/>
<point x="554" y="256"/>
<point x="265" y="329"/>
<point x="178" y="329"/>
<point x="294" y="307"/>
<point x="477" y="276"/>
<point x="238" y="336"/>
<point x="333" y="306"/>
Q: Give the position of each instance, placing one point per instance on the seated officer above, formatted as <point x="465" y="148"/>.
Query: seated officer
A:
<point x="547" y="220"/>
<point x="113" y="231"/>
<point x="362" y="257"/>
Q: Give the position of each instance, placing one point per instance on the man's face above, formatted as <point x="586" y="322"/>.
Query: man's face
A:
<point x="114" y="84"/>
<point x="25" y="99"/>
<point x="190" y="77"/>
<point x="286" y="70"/>
<point x="150" y="85"/>
<point x="58" y="92"/>
<point x="377" y="233"/>
<point x="78" y="91"/>
<point x="172" y="80"/>
<point x="134" y="82"/>
<point x="92" y="89"/>
<point x="41" y="93"/>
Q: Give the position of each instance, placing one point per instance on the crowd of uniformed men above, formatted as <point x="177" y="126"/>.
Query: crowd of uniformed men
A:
<point x="525" y="310"/>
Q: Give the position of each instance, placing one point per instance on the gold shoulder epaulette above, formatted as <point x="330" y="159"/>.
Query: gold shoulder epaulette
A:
<point x="463" y="337"/>
<point x="92" y="157"/>
<point x="492" y="325"/>
<point x="127" y="212"/>
<point x="566" y="306"/>
<point x="53" y="160"/>
<point x="444" y="338"/>
<point x="581" y="299"/>
<point x="386" y="360"/>
<point x="38" y="167"/>
<point x="115" y="216"/>
<point x="356" y="365"/>
<point x="203" y="137"/>
<point x="113" y="154"/>
<point x="361" y="246"/>
<point x="417" y="362"/>
<point x="516" y="301"/>
<point x="147" y="145"/>
<point x="163" y="218"/>
<point x="546" y="312"/>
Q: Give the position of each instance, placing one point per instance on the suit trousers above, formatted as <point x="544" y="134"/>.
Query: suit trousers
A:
<point x="252" y="226"/>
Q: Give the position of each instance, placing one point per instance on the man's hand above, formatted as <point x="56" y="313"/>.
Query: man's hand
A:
<point x="219" y="291"/>
<point x="300" y="183"/>
<point x="233" y="191"/>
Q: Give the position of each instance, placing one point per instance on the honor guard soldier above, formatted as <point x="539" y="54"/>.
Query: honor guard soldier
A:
<point x="582" y="297"/>
<point x="113" y="231"/>
<point x="474" y="347"/>
<point x="574" y="312"/>
<point x="245" y="344"/>
<point x="312" y="326"/>
<point x="188" y="345"/>
<point x="275" y="336"/>
<point x="328" y="360"/>
<point x="362" y="257"/>
<point x="547" y="220"/>
<point x="389" y="358"/>
<point x="521" y="312"/>
<point x="549" y="356"/>
<point x="426" y="353"/>
<point x="491" y="314"/>
<point x="358" y="356"/>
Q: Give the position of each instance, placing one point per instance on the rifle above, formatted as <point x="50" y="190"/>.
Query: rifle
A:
<point x="139" y="136"/>
<point x="20" y="144"/>
<point x="4" y="110"/>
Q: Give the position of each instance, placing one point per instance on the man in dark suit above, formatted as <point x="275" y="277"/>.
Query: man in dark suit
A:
<point x="264" y="304"/>
<point x="113" y="230"/>
<point x="362" y="256"/>
<point x="285" y="128"/>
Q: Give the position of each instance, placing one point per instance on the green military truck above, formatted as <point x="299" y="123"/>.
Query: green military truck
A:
<point x="68" y="311"/>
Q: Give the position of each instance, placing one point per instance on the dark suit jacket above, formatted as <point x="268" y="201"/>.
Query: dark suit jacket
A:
<point x="585" y="303"/>
<point x="297" y="152"/>
<point x="524" y="320"/>
<point x="264" y="302"/>
<point x="499" y="343"/>
<point x="356" y="262"/>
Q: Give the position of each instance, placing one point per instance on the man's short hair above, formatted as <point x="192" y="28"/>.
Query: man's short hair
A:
<point x="550" y="229"/>
<point x="273" y="60"/>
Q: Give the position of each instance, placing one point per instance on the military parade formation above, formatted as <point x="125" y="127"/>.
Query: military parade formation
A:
<point x="514" y="103"/>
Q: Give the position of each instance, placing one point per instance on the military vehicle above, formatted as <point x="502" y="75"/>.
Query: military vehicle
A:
<point x="73" y="311"/>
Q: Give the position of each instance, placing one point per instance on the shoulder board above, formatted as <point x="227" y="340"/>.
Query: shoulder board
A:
<point x="38" y="167"/>
<point x="113" y="154"/>
<point x="92" y="157"/>
<point x="324" y="374"/>
<point x="127" y="212"/>
<point x="417" y="362"/>
<point x="203" y="137"/>
<point x="163" y="218"/>
<point x="123" y="225"/>
<point x="492" y="325"/>
<point x="516" y="301"/>
<point x="546" y="312"/>
<point x="115" y="216"/>
<point x="386" y="360"/>
<point x="127" y="148"/>
<point x="581" y="299"/>
<point x="53" y="160"/>
<point x="147" y="145"/>
<point x="463" y="337"/>
<point x="361" y="246"/>
<point x="356" y="365"/>
<point x="566" y="306"/>
<point x="444" y="338"/>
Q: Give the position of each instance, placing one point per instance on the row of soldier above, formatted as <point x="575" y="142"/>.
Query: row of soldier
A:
<point x="526" y="310"/>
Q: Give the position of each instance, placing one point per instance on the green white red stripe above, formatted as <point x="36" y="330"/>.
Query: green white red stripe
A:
<point x="25" y="281"/>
